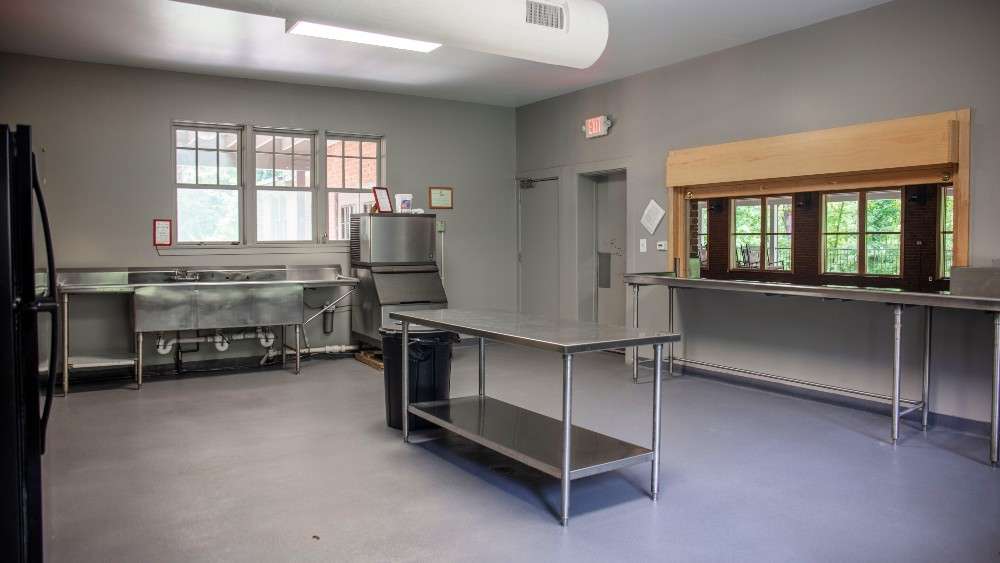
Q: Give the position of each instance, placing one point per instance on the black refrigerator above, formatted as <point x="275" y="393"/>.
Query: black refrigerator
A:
<point x="23" y="418"/>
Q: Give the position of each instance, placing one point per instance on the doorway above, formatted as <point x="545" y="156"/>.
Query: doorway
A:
<point x="610" y="247"/>
<point x="538" y="246"/>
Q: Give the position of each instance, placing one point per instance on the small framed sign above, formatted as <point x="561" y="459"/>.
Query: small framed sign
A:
<point x="163" y="232"/>
<point x="440" y="197"/>
<point x="382" y="200"/>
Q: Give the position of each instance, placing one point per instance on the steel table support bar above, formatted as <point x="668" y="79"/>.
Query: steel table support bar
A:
<point x="138" y="360"/>
<point x="65" y="345"/>
<point x="654" y="478"/>
<point x="670" y="329"/>
<point x="926" y="389"/>
<point x="897" y="317"/>
<point x="567" y="412"/>
<point x="482" y="366"/>
<point x="635" y="324"/>
<point x="995" y="410"/>
<point x="406" y="380"/>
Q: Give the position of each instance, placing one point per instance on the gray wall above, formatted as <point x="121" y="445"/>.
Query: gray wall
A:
<point x="107" y="164"/>
<point x="903" y="58"/>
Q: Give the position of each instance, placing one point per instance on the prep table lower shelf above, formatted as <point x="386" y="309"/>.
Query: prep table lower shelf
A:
<point x="531" y="438"/>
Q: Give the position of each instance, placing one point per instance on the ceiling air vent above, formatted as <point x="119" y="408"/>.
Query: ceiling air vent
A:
<point x="547" y="15"/>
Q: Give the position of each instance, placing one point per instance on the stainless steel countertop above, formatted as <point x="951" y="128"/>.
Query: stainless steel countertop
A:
<point x="562" y="336"/>
<point x="126" y="280"/>
<point x="843" y="293"/>
<point x="130" y="288"/>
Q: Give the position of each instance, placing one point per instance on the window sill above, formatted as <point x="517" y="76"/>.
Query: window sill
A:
<point x="334" y="247"/>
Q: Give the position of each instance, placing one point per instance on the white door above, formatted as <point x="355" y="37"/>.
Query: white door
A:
<point x="610" y="231"/>
<point x="538" y="247"/>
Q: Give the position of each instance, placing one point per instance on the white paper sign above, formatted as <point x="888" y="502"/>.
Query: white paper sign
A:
<point x="652" y="216"/>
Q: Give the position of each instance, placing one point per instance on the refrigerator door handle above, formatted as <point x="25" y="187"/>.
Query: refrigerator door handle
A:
<point x="49" y="303"/>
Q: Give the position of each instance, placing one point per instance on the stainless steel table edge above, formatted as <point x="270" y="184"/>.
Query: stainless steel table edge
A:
<point x="898" y="300"/>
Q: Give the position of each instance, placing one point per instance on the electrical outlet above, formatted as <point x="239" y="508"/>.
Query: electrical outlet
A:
<point x="642" y="245"/>
<point x="661" y="245"/>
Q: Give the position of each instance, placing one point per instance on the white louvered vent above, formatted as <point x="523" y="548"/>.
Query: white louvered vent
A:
<point x="547" y="15"/>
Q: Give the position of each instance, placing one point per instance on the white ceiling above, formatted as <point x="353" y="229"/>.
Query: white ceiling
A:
<point x="163" y="34"/>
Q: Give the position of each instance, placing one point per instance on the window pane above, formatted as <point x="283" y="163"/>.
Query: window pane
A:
<point x="883" y="211"/>
<point x="334" y="172"/>
<point x="746" y="215"/>
<point x="779" y="214"/>
<point x="947" y="248"/>
<point x="208" y="166"/>
<point x="207" y="215"/>
<point x="882" y="255"/>
<point x="703" y="250"/>
<point x="302" y="145"/>
<point x="282" y="170"/>
<point x="334" y="147"/>
<point x="369" y="149"/>
<point x="841" y="254"/>
<point x="703" y="217"/>
<point x="265" y="169"/>
<point x="284" y="215"/>
<point x="228" y="169"/>
<point x="229" y="141"/>
<point x="948" y="211"/>
<point x="186" y="171"/>
<point x="746" y="251"/>
<point x="779" y="252"/>
<point x="303" y="170"/>
<point x="369" y="173"/>
<point x="352" y="172"/>
<point x="340" y="207"/>
<point x="264" y="143"/>
<point x="840" y="213"/>
<point x="208" y="140"/>
<point x="352" y="148"/>
<point x="283" y="144"/>
<point x="185" y="138"/>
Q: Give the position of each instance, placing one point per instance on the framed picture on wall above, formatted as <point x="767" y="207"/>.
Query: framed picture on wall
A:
<point x="382" y="200"/>
<point x="440" y="197"/>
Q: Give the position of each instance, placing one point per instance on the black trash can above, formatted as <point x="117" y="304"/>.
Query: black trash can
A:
<point x="429" y="377"/>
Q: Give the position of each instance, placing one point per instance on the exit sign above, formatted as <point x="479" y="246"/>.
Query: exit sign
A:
<point x="596" y="126"/>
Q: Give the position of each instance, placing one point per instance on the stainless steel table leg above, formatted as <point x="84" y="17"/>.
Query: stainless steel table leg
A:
<point x="654" y="479"/>
<point x="298" y="349"/>
<point x="138" y="359"/>
<point x="284" y="345"/>
<point x="635" y="324"/>
<point x="482" y="366"/>
<point x="897" y="315"/>
<point x="65" y="346"/>
<point x="925" y="398"/>
<point x="405" y="392"/>
<point x="670" y="329"/>
<point x="567" y="434"/>
<point x="995" y="411"/>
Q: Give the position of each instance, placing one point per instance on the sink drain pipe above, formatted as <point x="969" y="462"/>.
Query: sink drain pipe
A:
<point x="219" y="340"/>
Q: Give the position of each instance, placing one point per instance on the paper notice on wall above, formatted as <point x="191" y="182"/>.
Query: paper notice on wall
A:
<point x="652" y="216"/>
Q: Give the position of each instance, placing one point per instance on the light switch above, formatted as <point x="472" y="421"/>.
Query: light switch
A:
<point x="661" y="245"/>
<point x="642" y="245"/>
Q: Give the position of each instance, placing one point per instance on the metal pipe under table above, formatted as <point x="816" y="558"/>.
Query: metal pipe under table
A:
<point x="556" y="447"/>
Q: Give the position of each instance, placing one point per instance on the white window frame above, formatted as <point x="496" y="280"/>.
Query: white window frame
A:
<point x="380" y="180"/>
<point x="240" y="180"/>
<point x="251" y="172"/>
<point x="247" y="190"/>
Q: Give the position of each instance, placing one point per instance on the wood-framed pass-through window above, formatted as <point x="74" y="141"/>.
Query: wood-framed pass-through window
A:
<point x="762" y="233"/>
<point x="863" y="232"/>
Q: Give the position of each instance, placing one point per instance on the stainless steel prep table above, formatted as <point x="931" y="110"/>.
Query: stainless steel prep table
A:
<point x="126" y="282"/>
<point x="555" y="447"/>
<point x="896" y="298"/>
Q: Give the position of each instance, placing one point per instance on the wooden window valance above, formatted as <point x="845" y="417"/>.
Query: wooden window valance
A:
<point x="924" y="149"/>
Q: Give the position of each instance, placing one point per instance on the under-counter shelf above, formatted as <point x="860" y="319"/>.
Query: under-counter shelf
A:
<point x="529" y="437"/>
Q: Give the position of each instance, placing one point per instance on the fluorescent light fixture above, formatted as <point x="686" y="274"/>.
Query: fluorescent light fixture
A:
<point x="355" y="36"/>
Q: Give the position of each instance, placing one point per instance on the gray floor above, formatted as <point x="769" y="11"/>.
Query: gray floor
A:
<point x="267" y="466"/>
